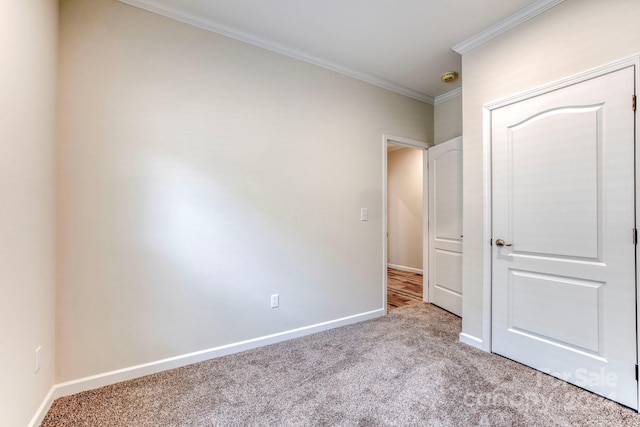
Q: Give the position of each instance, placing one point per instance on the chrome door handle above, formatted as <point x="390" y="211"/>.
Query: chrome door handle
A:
<point x="500" y="242"/>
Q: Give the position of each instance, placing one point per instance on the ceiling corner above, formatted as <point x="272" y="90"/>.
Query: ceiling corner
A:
<point x="448" y="96"/>
<point x="209" y="24"/>
<point x="505" y="25"/>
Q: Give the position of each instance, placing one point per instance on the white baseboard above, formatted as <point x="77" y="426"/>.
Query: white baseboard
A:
<point x="403" y="268"/>
<point x="43" y="409"/>
<point x="471" y="340"/>
<point x="112" y="377"/>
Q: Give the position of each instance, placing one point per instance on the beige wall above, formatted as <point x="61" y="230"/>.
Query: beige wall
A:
<point x="447" y="120"/>
<point x="404" y="207"/>
<point x="199" y="175"/>
<point x="28" y="35"/>
<point x="570" y="38"/>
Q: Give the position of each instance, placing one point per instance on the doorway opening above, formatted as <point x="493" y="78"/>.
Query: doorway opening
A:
<point x="405" y="242"/>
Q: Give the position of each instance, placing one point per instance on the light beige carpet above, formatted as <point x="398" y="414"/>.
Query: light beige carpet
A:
<point x="405" y="369"/>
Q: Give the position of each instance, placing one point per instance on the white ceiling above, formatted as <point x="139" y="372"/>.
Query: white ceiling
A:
<point x="403" y="45"/>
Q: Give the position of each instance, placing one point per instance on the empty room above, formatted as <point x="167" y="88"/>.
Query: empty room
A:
<point x="319" y="213"/>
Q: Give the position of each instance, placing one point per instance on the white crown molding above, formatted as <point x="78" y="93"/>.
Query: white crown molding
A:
<point x="209" y="24"/>
<point x="505" y="25"/>
<point x="448" y="96"/>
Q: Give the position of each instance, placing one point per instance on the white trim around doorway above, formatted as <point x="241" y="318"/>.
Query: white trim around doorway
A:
<point x="410" y="143"/>
<point x="484" y="342"/>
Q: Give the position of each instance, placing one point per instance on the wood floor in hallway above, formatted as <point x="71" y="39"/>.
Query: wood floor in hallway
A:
<point x="403" y="288"/>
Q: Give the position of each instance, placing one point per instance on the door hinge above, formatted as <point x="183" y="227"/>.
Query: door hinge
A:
<point x="633" y="102"/>
<point x="635" y="236"/>
<point x="636" y="372"/>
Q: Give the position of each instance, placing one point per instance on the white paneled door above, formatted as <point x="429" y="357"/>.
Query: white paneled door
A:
<point x="445" y="225"/>
<point x="564" y="289"/>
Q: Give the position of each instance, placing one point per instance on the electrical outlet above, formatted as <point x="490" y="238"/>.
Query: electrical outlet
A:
<point x="275" y="301"/>
<point x="364" y="214"/>
<point x="37" y="360"/>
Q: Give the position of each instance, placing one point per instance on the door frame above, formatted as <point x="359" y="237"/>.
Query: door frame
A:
<point x="634" y="61"/>
<point x="420" y="145"/>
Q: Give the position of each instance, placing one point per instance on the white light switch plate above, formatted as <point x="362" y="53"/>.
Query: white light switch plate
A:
<point x="37" y="361"/>
<point x="364" y="214"/>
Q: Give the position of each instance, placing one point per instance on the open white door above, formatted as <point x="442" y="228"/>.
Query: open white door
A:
<point x="445" y="225"/>
<point x="564" y="289"/>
